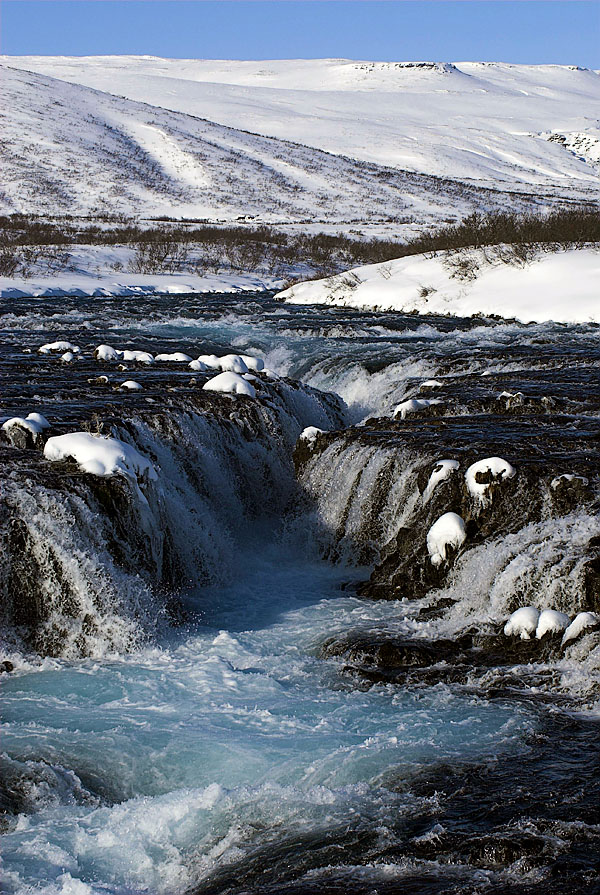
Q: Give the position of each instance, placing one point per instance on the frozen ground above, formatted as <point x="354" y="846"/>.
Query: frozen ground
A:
<point x="559" y="286"/>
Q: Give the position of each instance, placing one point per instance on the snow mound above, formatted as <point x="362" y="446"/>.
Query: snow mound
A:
<point x="413" y="405"/>
<point x="106" y="353"/>
<point x="198" y="366"/>
<point x="100" y="456"/>
<point x="582" y="622"/>
<point x="229" y="363"/>
<point x="139" y="357"/>
<point x="59" y="348"/>
<point x="131" y="385"/>
<point x="480" y="475"/>
<point x="523" y="623"/>
<point x="432" y="383"/>
<point x="68" y="357"/>
<point x="448" y="531"/>
<point x="177" y="357"/>
<point x="256" y="364"/>
<point x="443" y="469"/>
<point x="231" y="384"/>
<point x="551" y="622"/>
<point x="310" y="434"/>
<point x="34" y="423"/>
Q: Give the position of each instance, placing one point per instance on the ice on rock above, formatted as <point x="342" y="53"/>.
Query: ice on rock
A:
<point x="491" y="469"/>
<point x="58" y="348"/>
<point x="230" y="384"/>
<point x="523" y="623"/>
<point x="551" y="622"/>
<point x="432" y="383"/>
<point x="131" y="385"/>
<point x="67" y="357"/>
<point x="310" y="433"/>
<point x="413" y="405"/>
<point x="584" y="621"/>
<point x="107" y="353"/>
<point x="100" y="455"/>
<point x="448" y="531"/>
<point x="443" y="469"/>
<point x="177" y="357"/>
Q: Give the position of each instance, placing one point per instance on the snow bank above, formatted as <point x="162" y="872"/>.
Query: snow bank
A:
<point x="231" y="384"/>
<point x="443" y="469"/>
<point x="560" y="286"/>
<point x="413" y="405"/>
<point x="584" y="621"/>
<point x="99" y="455"/>
<point x="448" y="531"/>
<point x="492" y="469"/>
<point x="551" y="622"/>
<point x="523" y="623"/>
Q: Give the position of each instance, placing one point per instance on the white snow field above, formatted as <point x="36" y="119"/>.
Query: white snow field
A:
<point x="560" y="286"/>
<point x="517" y="125"/>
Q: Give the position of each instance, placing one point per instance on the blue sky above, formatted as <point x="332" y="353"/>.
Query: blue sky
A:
<point x="532" y="31"/>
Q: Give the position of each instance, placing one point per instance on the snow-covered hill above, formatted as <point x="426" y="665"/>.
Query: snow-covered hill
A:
<point x="68" y="148"/>
<point x="560" y="286"/>
<point x="520" y="126"/>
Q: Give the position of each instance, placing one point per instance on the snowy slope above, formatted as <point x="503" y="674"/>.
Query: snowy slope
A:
<point x="68" y="148"/>
<point x="517" y="125"/>
<point x="560" y="286"/>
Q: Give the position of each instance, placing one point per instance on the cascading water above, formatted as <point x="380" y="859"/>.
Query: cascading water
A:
<point x="205" y="704"/>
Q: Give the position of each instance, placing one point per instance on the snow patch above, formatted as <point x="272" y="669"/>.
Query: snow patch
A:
<point x="100" y="455"/>
<point x="551" y="622"/>
<point x="231" y="384"/>
<point x="492" y="469"/>
<point x="443" y="469"/>
<point x="58" y="348"/>
<point x="523" y="623"/>
<point x="448" y="531"/>
<point x="584" y="621"/>
<point x="413" y="405"/>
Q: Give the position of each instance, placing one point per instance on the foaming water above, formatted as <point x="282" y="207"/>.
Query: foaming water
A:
<point x="174" y="762"/>
<point x="370" y="359"/>
<point x="228" y="745"/>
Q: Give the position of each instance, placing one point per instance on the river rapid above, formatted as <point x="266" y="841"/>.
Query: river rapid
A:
<point x="199" y="735"/>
